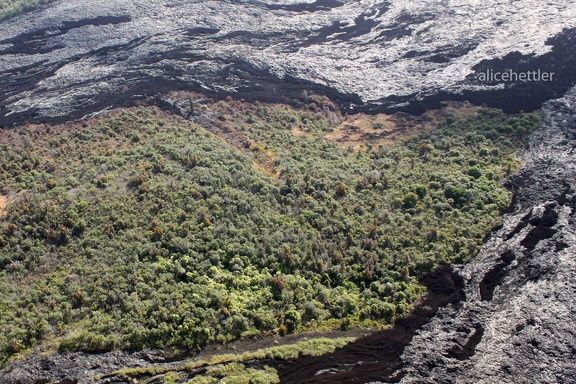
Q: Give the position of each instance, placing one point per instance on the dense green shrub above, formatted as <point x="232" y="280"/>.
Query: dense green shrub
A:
<point x="9" y="8"/>
<point x="179" y="238"/>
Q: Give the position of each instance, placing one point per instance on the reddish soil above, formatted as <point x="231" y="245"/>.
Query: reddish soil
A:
<point x="3" y="202"/>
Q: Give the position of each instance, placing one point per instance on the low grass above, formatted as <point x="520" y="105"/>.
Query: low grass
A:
<point x="11" y="8"/>
<point x="235" y="373"/>
<point x="235" y="367"/>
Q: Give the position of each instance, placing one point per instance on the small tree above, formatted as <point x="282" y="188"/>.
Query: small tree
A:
<point x="410" y="200"/>
<point x="292" y="320"/>
<point x="341" y="189"/>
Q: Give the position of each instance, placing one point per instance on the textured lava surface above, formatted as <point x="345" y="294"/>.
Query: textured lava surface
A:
<point x="80" y="57"/>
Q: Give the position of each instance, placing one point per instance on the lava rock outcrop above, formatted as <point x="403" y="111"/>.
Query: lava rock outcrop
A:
<point x="73" y="59"/>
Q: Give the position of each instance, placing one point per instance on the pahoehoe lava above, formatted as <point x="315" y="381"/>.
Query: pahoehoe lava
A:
<point x="73" y="59"/>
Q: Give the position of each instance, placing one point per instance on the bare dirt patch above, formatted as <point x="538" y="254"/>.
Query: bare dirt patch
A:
<point x="3" y="203"/>
<point x="265" y="163"/>
<point x="360" y="131"/>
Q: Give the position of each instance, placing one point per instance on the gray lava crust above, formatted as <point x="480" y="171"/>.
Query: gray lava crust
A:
<point x="74" y="59"/>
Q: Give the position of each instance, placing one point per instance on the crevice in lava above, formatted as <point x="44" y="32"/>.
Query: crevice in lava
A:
<point x="469" y="349"/>
<point x="542" y="228"/>
<point x="493" y="278"/>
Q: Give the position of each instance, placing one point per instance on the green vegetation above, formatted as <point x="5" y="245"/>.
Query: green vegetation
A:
<point x="231" y="367"/>
<point x="10" y="8"/>
<point x="140" y="229"/>
<point x="236" y="373"/>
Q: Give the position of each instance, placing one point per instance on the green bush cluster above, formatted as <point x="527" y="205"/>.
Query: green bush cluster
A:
<point x="9" y="8"/>
<point x="178" y="239"/>
<point x="231" y="368"/>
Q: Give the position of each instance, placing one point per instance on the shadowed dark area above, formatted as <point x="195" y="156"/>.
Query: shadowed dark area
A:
<point x="514" y="97"/>
<point x="529" y="96"/>
<point x="468" y="349"/>
<point x="35" y="42"/>
<point x="494" y="276"/>
<point x="318" y="5"/>
<point x="542" y="228"/>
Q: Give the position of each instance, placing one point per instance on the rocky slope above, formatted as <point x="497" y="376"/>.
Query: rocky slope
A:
<point x="76" y="58"/>
<point x="74" y="368"/>
<point x="516" y="321"/>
